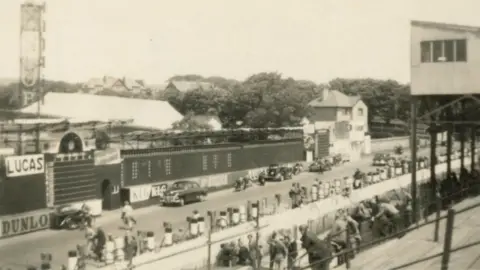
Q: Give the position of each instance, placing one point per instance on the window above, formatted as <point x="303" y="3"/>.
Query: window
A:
<point x="215" y="161"/>
<point x="426" y="51"/>
<point x="229" y="160"/>
<point x="448" y="50"/>
<point x="134" y="170"/>
<point x="461" y="50"/>
<point x="443" y="51"/>
<point x="149" y="165"/>
<point x="204" y="163"/>
<point x="168" y="166"/>
<point x="360" y="112"/>
<point x="437" y="51"/>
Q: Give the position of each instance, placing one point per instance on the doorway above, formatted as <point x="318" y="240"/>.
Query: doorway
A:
<point x="106" y="194"/>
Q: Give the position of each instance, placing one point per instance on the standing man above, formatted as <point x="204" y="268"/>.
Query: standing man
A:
<point x="101" y="240"/>
<point x="292" y="251"/>
<point x="127" y="212"/>
<point x="319" y="251"/>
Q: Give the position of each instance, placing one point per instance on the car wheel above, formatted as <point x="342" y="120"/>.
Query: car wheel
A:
<point x="181" y="202"/>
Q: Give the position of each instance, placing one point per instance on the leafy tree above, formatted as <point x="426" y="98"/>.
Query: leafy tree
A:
<point x="188" y="123"/>
<point x="187" y="77"/>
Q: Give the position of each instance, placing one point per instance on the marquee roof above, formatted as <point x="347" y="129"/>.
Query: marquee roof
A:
<point x="151" y="114"/>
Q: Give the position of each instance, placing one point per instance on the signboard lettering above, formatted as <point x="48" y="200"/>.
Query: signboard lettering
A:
<point x="24" y="165"/>
<point x="20" y="225"/>
<point x="140" y="193"/>
<point x="159" y="190"/>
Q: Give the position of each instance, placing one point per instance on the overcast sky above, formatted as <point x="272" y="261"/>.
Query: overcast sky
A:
<point x="155" y="39"/>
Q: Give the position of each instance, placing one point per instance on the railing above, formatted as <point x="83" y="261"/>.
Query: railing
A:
<point x="447" y="247"/>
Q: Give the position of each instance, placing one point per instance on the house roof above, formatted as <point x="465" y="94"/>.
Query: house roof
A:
<point x="456" y="27"/>
<point x="94" y="82"/>
<point x="154" y="114"/>
<point x="131" y="83"/>
<point x="185" y="86"/>
<point x="335" y="98"/>
<point x="204" y="119"/>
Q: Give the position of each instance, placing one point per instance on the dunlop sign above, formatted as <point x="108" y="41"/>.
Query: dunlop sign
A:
<point x="24" y="165"/>
<point x="24" y="224"/>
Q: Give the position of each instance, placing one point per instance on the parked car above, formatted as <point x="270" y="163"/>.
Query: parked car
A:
<point x="320" y="167"/>
<point x="278" y="172"/>
<point x="182" y="192"/>
<point x="381" y="159"/>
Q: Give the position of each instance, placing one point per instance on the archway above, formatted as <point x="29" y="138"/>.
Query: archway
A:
<point x="70" y="143"/>
<point x="106" y="191"/>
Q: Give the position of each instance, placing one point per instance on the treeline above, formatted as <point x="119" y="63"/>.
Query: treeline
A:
<point x="270" y="100"/>
<point x="263" y="99"/>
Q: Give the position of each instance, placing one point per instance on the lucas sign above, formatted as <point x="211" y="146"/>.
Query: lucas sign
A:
<point x="24" y="165"/>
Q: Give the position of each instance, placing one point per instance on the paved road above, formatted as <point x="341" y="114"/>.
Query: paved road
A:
<point x="17" y="252"/>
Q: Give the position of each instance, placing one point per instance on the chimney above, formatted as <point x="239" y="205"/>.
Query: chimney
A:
<point x="325" y="93"/>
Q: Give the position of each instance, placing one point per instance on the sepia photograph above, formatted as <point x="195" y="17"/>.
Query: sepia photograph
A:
<point x="239" y="135"/>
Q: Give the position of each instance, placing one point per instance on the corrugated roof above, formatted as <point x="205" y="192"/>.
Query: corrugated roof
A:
<point x="450" y="26"/>
<point x="335" y="98"/>
<point x="144" y="113"/>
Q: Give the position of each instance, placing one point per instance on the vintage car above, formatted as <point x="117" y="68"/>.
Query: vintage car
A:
<point x="320" y="167"/>
<point x="381" y="159"/>
<point x="278" y="172"/>
<point x="182" y="192"/>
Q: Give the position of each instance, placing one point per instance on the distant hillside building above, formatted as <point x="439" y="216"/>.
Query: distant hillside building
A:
<point x="124" y="84"/>
<point x="346" y="119"/>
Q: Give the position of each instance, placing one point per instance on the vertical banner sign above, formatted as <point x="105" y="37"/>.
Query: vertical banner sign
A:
<point x="24" y="165"/>
<point x="32" y="46"/>
<point x="49" y="184"/>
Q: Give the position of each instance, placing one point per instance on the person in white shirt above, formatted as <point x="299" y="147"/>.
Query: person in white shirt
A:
<point x="388" y="214"/>
<point x="127" y="212"/>
<point x="87" y="213"/>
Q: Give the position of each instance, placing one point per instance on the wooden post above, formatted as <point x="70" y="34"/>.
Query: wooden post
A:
<point x="473" y="134"/>
<point x="209" y="241"/>
<point x="347" y="255"/>
<point x="447" y="246"/>
<point x="257" y="235"/>
<point x="462" y="137"/>
<point x="449" y="143"/>
<point x="37" y="139"/>
<point x="438" y="203"/>
<point x="413" y="143"/>
<point x="433" y="161"/>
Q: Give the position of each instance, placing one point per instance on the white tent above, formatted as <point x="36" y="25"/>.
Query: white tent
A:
<point x="152" y="114"/>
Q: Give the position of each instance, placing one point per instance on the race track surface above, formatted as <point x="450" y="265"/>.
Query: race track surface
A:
<point x="20" y="251"/>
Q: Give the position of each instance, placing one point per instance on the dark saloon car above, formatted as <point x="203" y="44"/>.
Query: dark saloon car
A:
<point x="277" y="172"/>
<point x="182" y="192"/>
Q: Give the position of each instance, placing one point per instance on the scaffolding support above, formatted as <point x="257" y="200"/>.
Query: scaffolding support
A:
<point x="473" y="135"/>
<point x="413" y="143"/>
<point x="449" y="142"/>
<point x="433" y="161"/>
<point x="461" y="131"/>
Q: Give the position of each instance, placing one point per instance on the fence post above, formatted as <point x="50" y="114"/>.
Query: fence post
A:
<point x="349" y="246"/>
<point x="257" y="236"/>
<point x="438" y="206"/>
<point x="209" y="241"/>
<point x="447" y="246"/>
